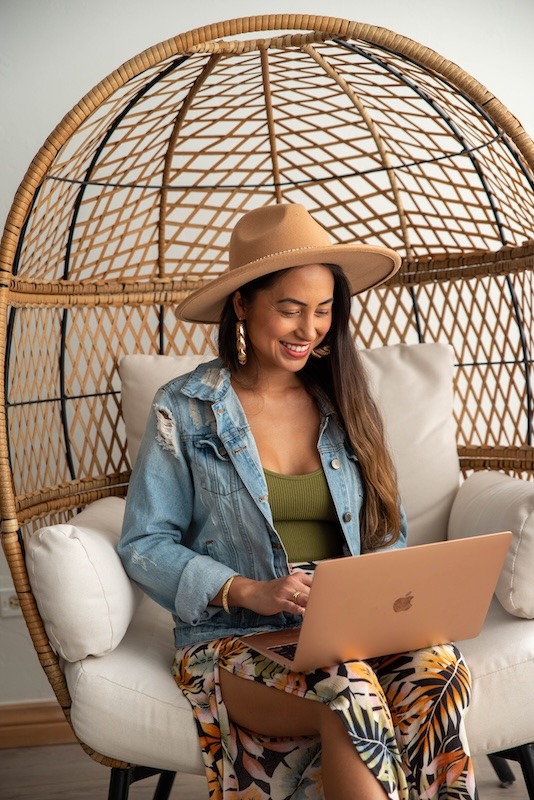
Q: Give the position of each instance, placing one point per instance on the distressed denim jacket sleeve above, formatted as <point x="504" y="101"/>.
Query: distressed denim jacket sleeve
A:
<point x="159" y="513"/>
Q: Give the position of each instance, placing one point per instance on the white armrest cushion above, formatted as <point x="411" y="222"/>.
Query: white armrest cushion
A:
<point x="84" y="596"/>
<point x="489" y="502"/>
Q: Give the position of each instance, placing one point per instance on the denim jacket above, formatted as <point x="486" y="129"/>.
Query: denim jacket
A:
<point x="197" y="509"/>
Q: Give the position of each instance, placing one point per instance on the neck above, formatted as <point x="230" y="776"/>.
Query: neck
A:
<point x="266" y="382"/>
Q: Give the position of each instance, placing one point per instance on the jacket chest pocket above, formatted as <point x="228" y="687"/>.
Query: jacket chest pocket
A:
<point x="213" y="469"/>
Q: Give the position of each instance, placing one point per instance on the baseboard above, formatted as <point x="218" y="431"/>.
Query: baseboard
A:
<point x="32" y="724"/>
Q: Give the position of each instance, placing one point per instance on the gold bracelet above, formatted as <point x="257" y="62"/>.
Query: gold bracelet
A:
<point x="224" y="596"/>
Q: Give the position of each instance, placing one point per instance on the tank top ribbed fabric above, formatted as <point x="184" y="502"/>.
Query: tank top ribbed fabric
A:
<point x="304" y="515"/>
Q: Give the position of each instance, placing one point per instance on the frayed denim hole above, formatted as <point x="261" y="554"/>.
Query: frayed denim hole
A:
<point x="166" y="429"/>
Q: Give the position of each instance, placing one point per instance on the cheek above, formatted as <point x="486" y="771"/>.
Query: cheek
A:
<point x="325" y="326"/>
<point x="264" y="330"/>
<point x="273" y="328"/>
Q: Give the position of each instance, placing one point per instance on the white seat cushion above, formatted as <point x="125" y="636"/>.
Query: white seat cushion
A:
<point x="131" y="689"/>
<point x="501" y="660"/>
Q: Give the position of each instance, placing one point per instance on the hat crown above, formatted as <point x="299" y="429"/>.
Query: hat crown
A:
<point x="274" y="229"/>
<point x="274" y="238"/>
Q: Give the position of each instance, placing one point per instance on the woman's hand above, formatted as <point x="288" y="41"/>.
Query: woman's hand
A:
<point x="289" y="593"/>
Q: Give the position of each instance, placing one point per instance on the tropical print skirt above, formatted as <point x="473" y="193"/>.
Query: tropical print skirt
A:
<point x="404" y="714"/>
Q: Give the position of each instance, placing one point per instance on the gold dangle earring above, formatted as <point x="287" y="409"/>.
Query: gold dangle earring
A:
<point x="241" y="344"/>
<point x="320" y="352"/>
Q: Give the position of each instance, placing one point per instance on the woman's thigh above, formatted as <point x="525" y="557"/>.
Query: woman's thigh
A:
<point x="265" y="710"/>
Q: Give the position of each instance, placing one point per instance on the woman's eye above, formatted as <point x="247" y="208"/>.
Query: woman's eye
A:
<point x="319" y="313"/>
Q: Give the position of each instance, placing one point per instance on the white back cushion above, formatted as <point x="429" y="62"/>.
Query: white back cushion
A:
<point x="141" y="376"/>
<point x="413" y="386"/>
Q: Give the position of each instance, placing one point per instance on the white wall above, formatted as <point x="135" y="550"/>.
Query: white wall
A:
<point x="54" y="51"/>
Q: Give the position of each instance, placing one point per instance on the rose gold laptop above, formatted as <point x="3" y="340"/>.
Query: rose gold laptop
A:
<point x="390" y="602"/>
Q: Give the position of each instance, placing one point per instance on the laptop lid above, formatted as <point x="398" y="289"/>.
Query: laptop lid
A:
<point x="393" y="601"/>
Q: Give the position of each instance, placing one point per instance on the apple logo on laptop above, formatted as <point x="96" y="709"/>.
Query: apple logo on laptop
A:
<point x="403" y="603"/>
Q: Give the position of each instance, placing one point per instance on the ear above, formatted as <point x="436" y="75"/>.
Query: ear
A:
<point x="239" y="306"/>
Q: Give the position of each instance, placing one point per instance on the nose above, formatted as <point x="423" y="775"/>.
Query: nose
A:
<point x="308" y="329"/>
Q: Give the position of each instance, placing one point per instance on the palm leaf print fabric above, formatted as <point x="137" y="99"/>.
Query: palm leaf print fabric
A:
<point x="403" y="713"/>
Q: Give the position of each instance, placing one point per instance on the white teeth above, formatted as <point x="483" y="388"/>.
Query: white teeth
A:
<point x="296" y="348"/>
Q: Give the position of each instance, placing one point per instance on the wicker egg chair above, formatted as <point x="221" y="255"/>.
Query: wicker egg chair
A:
<point x="128" y="206"/>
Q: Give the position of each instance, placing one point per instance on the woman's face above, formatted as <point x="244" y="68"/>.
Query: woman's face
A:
<point x="287" y="320"/>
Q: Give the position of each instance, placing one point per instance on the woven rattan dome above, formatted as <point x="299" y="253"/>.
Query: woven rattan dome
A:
<point x="130" y="202"/>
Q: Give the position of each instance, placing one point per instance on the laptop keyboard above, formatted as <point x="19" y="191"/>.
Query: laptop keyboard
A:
<point x="285" y="650"/>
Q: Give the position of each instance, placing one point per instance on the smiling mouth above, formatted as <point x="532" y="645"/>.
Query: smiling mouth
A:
<point x="297" y="349"/>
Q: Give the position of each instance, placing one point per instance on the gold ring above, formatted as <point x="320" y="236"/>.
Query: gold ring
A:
<point x="295" y="596"/>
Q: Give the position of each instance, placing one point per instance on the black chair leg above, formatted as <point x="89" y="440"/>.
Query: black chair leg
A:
<point x="164" y="787"/>
<point x="524" y="755"/>
<point x="119" y="783"/>
<point x="526" y="759"/>
<point x="503" y="771"/>
<point x="121" y="779"/>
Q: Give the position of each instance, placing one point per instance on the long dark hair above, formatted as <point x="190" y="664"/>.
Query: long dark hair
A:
<point x="341" y="377"/>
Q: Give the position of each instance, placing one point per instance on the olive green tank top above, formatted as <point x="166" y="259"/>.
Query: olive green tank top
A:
<point x="304" y="515"/>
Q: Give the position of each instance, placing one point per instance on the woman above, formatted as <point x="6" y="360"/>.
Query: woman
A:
<point x="253" y="468"/>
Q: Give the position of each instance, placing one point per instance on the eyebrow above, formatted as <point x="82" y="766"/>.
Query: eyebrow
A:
<point x="296" y="302"/>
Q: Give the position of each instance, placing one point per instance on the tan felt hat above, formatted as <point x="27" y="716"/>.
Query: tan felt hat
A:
<point x="278" y="237"/>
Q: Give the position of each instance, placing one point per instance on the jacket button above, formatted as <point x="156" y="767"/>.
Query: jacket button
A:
<point x="347" y="516"/>
<point x="335" y="463"/>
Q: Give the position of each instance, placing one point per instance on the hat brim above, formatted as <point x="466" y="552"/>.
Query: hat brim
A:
<point x="365" y="267"/>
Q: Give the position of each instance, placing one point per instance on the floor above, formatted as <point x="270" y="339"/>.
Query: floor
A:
<point x="65" y="771"/>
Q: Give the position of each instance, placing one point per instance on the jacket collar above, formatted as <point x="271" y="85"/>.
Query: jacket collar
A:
<point x="210" y="381"/>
